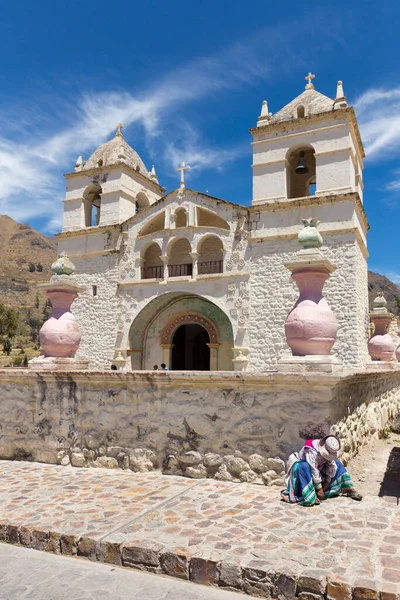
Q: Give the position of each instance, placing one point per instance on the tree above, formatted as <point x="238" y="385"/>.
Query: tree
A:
<point x="39" y="267"/>
<point x="7" y="347"/>
<point x="25" y="361"/>
<point x="37" y="301"/>
<point x="31" y="267"/>
<point x="8" y="321"/>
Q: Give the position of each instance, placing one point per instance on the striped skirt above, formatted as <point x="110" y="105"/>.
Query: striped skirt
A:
<point x="300" y="486"/>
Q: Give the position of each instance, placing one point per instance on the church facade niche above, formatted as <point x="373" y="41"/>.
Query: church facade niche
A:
<point x="210" y="252"/>
<point x="208" y="218"/>
<point x="301" y="171"/>
<point x="180" y="262"/>
<point x="181" y="218"/>
<point x="300" y="112"/>
<point x="92" y="204"/>
<point x="156" y="224"/>
<point x="142" y="201"/>
<point x="152" y="265"/>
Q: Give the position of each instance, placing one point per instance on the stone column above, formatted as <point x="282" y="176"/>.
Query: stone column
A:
<point x="164" y="258"/>
<point x="311" y="326"/>
<point x="60" y="335"/>
<point x="195" y="257"/>
<point x="380" y="344"/>
<point x="166" y="354"/>
<point x="213" y="356"/>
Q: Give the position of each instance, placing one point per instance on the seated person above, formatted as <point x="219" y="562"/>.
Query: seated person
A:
<point x="315" y="474"/>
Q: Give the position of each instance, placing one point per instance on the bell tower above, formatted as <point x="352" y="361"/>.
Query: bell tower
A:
<point x="310" y="147"/>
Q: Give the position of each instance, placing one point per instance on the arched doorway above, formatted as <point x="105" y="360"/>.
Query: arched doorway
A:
<point x="152" y="331"/>
<point x="190" y="349"/>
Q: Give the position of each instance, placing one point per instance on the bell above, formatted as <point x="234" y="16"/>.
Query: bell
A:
<point x="301" y="164"/>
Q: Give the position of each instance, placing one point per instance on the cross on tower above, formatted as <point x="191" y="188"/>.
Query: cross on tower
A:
<point x="309" y="78"/>
<point x="119" y="129"/>
<point x="182" y="169"/>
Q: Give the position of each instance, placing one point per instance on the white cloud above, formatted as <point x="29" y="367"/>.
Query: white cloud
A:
<point x="199" y="154"/>
<point x="378" y="113"/>
<point x="48" y="143"/>
<point x="30" y="170"/>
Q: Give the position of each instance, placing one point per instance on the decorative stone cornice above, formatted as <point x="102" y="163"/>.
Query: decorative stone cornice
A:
<point x="311" y="201"/>
<point x="303" y="121"/>
<point x="204" y="378"/>
<point x="87" y="231"/>
<point x="123" y="167"/>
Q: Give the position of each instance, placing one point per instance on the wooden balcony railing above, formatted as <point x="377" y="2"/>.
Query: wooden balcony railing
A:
<point x="180" y="270"/>
<point x="210" y="266"/>
<point x="153" y="272"/>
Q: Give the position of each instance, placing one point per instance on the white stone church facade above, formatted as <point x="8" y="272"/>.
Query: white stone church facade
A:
<point x="200" y="283"/>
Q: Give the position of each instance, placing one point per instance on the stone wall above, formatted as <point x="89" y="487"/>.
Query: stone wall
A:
<point x="96" y="314"/>
<point x="235" y="427"/>
<point x="274" y="293"/>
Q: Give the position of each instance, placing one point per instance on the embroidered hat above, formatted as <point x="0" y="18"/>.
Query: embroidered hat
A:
<point x="329" y="447"/>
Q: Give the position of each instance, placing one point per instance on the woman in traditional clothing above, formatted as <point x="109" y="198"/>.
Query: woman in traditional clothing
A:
<point x="315" y="474"/>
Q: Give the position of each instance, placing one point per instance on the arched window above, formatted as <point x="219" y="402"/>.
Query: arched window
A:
<point x="180" y="217"/>
<point x="300" y="111"/>
<point x="153" y="266"/>
<point x="301" y="172"/>
<point x="180" y="261"/>
<point x="211" y="256"/>
<point x="92" y="204"/>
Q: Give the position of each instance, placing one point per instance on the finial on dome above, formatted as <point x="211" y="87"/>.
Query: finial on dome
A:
<point x="79" y="164"/>
<point x="309" y="78"/>
<point x="153" y="174"/>
<point x="264" y="109"/>
<point x="265" y="115"/>
<point x="340" y="100"/>
<point x="119" y="130"/>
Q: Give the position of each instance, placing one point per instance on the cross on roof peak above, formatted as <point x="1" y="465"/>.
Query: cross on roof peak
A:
<point x="309" y="78"/>
<point x="182" y="169"/>
<point x="119" y="130"/>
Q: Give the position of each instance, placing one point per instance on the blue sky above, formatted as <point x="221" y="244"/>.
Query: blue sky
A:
<point x="187" y="80"/>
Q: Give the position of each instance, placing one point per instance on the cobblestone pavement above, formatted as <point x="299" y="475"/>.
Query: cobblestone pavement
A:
<point x="27" y="574"/>
<point x="234" y="535"/>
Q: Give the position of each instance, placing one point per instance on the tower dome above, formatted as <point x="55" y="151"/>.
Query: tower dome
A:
<point x="116" y="151"/>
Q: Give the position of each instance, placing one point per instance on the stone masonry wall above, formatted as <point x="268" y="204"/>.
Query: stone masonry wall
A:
<point x="96" y="315"/>
<point x="273" y="294"/>
<point x="230" y="427"/>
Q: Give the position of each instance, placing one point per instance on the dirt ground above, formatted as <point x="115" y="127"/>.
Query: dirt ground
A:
<point x="376" y="469"/>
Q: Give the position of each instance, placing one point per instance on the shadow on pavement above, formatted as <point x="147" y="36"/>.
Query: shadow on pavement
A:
<point x="391" y="482"/>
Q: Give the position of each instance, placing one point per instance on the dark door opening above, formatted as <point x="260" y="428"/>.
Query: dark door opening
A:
<point x="190" y="350"/>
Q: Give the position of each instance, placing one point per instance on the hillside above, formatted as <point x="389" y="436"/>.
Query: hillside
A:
<point x="21" y="245"/>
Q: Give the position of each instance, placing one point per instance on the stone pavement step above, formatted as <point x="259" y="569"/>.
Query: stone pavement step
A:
<point x="30" y="575"/>
<point x="234" y="536"/>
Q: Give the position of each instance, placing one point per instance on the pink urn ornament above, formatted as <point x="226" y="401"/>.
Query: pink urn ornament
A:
<point x="311" y="326"/>
<point x="380" y="344"/>
<point x="398" y="351"/>
<point x="60" y="335"/>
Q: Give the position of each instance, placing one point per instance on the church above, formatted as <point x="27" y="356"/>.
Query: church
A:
<point x="200" y="283"/>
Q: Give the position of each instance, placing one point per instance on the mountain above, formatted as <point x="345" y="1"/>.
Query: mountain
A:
<point x="20" y="247"/>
